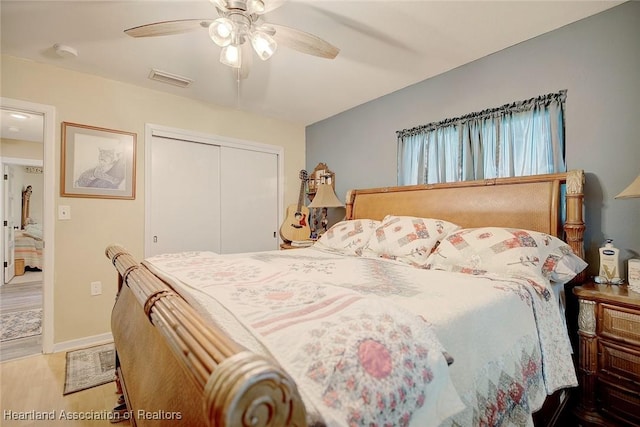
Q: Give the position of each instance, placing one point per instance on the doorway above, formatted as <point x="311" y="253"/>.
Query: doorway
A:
<point x="30" y="157"/>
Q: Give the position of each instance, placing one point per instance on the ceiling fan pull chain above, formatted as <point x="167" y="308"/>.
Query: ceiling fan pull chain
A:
<point x="237" y="72"/>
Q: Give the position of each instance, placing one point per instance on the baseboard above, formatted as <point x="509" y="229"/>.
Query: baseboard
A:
<point x="83" y="342"/>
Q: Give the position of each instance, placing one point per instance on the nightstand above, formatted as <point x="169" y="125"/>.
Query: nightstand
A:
<point x="609" y="355"/>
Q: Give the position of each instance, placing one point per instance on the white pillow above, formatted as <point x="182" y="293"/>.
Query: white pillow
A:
<point x="528" y="254"/>
<point x="347" y="237"/>
<point x="567" y="268"/>
<point x="408" y="239"/>
<point x="33" y="230"/>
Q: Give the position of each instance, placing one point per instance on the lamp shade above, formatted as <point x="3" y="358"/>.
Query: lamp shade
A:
<point x="264" y="45"/>
<point x="325" y="198"/>
<point x="221" y="31"/>
<point x="231" y="55"/>
<point x="633" y="190"/>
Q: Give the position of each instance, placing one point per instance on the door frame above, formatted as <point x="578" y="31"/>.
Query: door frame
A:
<point x="151" y="130"/>
<point x="48" y="209"/>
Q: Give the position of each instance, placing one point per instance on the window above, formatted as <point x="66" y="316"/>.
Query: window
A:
<point x="523" y="138"/>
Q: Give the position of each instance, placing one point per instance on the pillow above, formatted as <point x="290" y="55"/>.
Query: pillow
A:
<point x="408" y="239"/>
<point x="567" y="268"/>
<point x="348" y="237"/>
<point x="33" y="230"/>
<point x="531" y="255"/>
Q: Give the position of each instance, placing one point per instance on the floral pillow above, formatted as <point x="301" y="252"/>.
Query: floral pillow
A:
<point x="348" y="237"/>
<point x="408" y="239"/>
<point x="534" y="256"/>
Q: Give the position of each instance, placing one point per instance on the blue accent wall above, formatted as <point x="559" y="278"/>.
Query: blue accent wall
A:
<point x="596" y="59"/>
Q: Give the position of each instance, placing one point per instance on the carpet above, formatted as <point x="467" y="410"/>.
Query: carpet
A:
<point x="20" y="324"/>
<point x="89" y="367"/>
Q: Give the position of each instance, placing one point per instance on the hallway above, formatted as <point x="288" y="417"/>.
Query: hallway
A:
<point x="23" y="293"/>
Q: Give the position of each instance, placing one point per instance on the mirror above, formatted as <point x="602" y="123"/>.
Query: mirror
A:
<point x="320" y="175"/>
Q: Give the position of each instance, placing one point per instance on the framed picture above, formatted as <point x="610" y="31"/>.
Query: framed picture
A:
<point x="97" y="162"/>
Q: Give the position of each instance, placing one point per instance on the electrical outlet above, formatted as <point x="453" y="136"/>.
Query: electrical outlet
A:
<point x="96" y="288"/>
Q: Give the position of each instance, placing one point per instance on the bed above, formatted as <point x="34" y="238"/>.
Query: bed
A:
<point x="355" y="330"/>
<point x="29" y="246"/>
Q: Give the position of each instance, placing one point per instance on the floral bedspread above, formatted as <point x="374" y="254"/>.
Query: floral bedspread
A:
<point x="364" y="338"/>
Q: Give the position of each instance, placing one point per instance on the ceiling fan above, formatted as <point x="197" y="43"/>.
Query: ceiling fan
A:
<point x="241" y="24"/>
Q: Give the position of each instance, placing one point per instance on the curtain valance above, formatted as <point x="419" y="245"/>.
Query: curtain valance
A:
<point x="514" y="107"/>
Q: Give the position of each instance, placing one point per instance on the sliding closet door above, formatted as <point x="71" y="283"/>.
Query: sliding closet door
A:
<point x="184" y="190"/>
<point x="249" y="200"/>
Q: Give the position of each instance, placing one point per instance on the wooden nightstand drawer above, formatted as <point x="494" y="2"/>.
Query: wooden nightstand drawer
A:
<point x="609" y="359"/>
<point x="619" y="323"/>
<point x="620" y="362"/>
<point x="619" y="403"/>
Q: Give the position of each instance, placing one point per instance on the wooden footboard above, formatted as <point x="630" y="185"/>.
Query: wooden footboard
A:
<point x="176" y="369"/>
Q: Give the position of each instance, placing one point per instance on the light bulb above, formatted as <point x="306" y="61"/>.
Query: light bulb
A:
<point x="264" y="45"/>
<point x="230" y="55"/>
<point x="221" y="31"/>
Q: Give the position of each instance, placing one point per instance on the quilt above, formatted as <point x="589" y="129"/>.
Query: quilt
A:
<point x="29" y="248"/>
<point x="367" y="340"/>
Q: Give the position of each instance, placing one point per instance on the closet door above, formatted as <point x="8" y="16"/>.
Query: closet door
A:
<point x="184" y="190"/>
<point x="249" y="200"/>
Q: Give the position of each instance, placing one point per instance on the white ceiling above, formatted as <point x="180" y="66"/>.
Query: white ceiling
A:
<point x="21" y="125"/>
<point x="385" y="46"/>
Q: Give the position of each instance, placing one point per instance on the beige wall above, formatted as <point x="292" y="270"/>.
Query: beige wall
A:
<point x="80" y="242"/>
<point x="21" y="149"/>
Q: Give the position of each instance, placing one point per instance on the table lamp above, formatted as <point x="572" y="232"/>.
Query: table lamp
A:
<point x="633" y="269"/>
<point x="633" y="190"/>
<point x="325" y="197"/>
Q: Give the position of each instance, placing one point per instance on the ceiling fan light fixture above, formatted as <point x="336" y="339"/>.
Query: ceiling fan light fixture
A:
<point x="221" y="31"/>
<point x="255" y="6"/>
<point x="238" y="22"/>
<point x="264" y="45"/>
<point x="231" y="56"/>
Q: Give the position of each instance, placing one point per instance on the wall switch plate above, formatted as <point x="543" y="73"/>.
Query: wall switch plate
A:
<point x="96" y="288"/>
<point x="64" y="212"/>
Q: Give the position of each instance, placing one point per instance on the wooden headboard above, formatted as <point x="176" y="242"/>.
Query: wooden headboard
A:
<point x="532" y="202"/>
<point x="26" y="203"/>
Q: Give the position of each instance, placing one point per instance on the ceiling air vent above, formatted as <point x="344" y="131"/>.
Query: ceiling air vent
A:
<point x="168" y="78"/>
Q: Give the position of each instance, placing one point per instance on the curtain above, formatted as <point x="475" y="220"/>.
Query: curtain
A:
<point x="522" y="138"/>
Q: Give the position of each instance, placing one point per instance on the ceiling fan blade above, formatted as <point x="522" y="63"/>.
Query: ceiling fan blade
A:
<point x="167" y="28"/>
<point x="303" y="42"/>
<point x="220" y="4"/>
<point x="270" y="5"/>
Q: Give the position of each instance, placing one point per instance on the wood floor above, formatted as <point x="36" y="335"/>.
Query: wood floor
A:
<point x="22" y="293"/>
<point x="33" y="386"/>
<point x="31" y="383"/>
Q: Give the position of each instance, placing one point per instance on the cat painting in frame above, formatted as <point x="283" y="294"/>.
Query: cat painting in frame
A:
<point x="97" y="162"/>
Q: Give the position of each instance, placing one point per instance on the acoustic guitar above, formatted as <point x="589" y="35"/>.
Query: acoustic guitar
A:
<point x="296" y="224"/>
